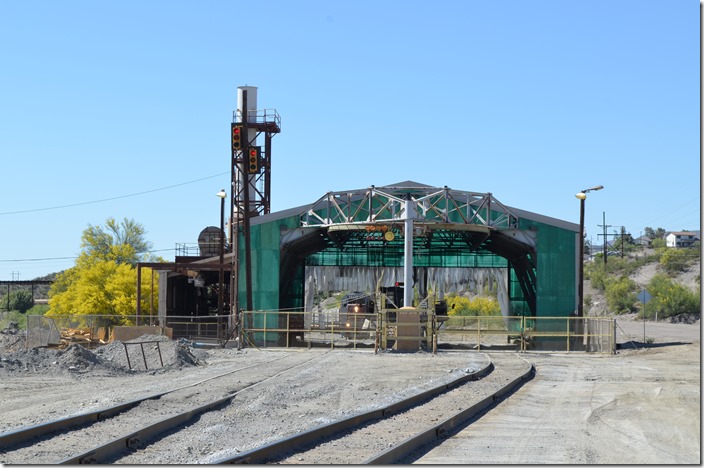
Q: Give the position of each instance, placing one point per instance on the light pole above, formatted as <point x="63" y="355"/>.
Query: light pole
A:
<point x="580" y="284"/>
<point x="222" y="195"/>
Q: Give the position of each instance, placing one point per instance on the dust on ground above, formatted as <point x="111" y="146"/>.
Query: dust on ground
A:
<point x="641" y="405"/>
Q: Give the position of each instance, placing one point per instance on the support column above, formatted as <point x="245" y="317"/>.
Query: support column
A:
<point x="410" y="214"/>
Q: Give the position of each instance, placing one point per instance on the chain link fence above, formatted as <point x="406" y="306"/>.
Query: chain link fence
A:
<point x="94" y="330"/>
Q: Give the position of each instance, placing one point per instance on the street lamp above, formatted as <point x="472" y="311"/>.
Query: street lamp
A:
<point x="580" y="285"/>
<point x="222" y="195"/>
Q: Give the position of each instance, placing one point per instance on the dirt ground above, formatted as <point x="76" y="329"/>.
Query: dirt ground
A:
<point x="641" y="405"/>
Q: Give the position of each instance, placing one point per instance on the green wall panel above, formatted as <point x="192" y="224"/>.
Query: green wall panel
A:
<point x="556" y="269"/>
<point x="555" y="258"/>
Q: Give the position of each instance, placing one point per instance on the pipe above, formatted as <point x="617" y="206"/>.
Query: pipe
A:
<point x="409" y="216"/>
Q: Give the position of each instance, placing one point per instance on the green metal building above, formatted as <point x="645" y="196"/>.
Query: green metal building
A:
<point x="451" y="229"/>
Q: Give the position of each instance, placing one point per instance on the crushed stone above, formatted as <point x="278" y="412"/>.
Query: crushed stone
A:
<point x="148" y="353"/>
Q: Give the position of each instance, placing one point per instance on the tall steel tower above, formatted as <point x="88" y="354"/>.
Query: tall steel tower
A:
<point x="250" y="175"/>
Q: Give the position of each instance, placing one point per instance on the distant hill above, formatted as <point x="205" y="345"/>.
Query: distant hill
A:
<point x="690" y="277"/>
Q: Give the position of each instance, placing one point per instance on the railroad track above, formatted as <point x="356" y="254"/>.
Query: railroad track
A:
<point x="430" y="415"/>
<point x="393" y="434"/>
<point x="37" y="439"/>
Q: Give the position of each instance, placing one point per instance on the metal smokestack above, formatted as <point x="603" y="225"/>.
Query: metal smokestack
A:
<point x="250" y="116"/>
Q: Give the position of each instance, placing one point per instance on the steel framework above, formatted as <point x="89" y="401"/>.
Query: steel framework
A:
<point x="258" y="201"/>
<point x="431" y="205"/>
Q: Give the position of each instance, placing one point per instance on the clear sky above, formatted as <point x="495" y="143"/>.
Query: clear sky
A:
<point x="122" y="109"/>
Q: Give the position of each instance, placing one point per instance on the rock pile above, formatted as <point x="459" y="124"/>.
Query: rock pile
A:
<point x="158" y="352"/>
<point x="684" y="318"/>
<point x="11" y="338"/>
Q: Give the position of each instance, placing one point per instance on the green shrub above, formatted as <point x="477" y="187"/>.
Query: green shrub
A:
<point x="14" y="316"/>
<point x="674" y="260"/>
<point x="38" y="309"/>
<point x="20" y="301"/>
<point x="621" y="295"/>
<point x="479" y="306"/>
<point x="658" y="243"/>
<point x="601" y="275"/>
<point x="597" y="275"/>
<point x="670" y="298"/>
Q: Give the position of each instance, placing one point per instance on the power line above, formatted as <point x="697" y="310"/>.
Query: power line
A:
<point x="671" y="212"/>
<point x="37" y="259"/>
<point x="62" y="258"/>
<point x="112" y="198"/>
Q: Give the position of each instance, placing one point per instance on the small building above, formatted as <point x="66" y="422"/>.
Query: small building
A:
<point x="681" y="239"/>
<point x="643" y="240"/>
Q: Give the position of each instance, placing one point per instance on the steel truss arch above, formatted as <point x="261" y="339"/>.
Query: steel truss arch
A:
<point x="386" y="204"/>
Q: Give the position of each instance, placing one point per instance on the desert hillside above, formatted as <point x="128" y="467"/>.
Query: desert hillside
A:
<point x="691" y="278"/>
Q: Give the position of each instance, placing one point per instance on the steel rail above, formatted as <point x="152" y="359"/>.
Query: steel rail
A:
<point x="403" y="449"/>
<point x="105" y="453"/>
<point x="19" y="436"/>
<point x="112" y="449"/>
<point x="298" y="441"/>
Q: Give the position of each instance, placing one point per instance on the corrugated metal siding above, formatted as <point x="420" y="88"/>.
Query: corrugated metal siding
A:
<point x="555" y="266"/>
<point x="555" y="271"/>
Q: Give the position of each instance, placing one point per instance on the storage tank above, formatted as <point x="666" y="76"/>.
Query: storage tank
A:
<point x="209" y="241"/>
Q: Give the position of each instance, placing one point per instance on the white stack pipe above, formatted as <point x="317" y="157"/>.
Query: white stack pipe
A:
<point x="249" y="116"/>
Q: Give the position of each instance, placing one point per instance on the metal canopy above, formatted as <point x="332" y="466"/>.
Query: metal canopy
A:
<point x="446" y="222"/>
<point x="375" y="205"/>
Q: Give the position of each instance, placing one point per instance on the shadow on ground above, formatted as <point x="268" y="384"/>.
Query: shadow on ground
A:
<point x="639" y="344"/>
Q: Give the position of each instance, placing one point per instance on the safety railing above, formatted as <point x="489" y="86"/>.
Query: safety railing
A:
<point x="259" y="116"/>
<point x="531" y="333"/>
<point x="275" y="328"/>
<point x="385" y="330"/>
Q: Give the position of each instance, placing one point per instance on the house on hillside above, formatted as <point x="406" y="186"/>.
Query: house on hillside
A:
<point x="681" y="239"/>
<point x="643" y="240"/>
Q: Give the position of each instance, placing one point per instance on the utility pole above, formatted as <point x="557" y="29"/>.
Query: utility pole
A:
<point x="622" y="234"/>
<point x="604" y="234"/>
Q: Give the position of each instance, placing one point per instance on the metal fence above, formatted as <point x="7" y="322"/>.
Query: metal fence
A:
<point x="531" y="333"/>
<point x="381" y="331"/>
<point x="384" y="330"/>
<point x="88" y="330"/>
<point x="93" y="330"/>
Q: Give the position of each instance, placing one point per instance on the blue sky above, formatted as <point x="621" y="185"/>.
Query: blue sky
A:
<point x="122" y="109"/>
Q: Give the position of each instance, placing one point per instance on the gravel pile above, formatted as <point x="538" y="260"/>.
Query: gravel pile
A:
<point x="684" y="318"/>
<point x="156" y="350"/>
<point x="152" y="353"/>
<point x="11" y="338"/>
